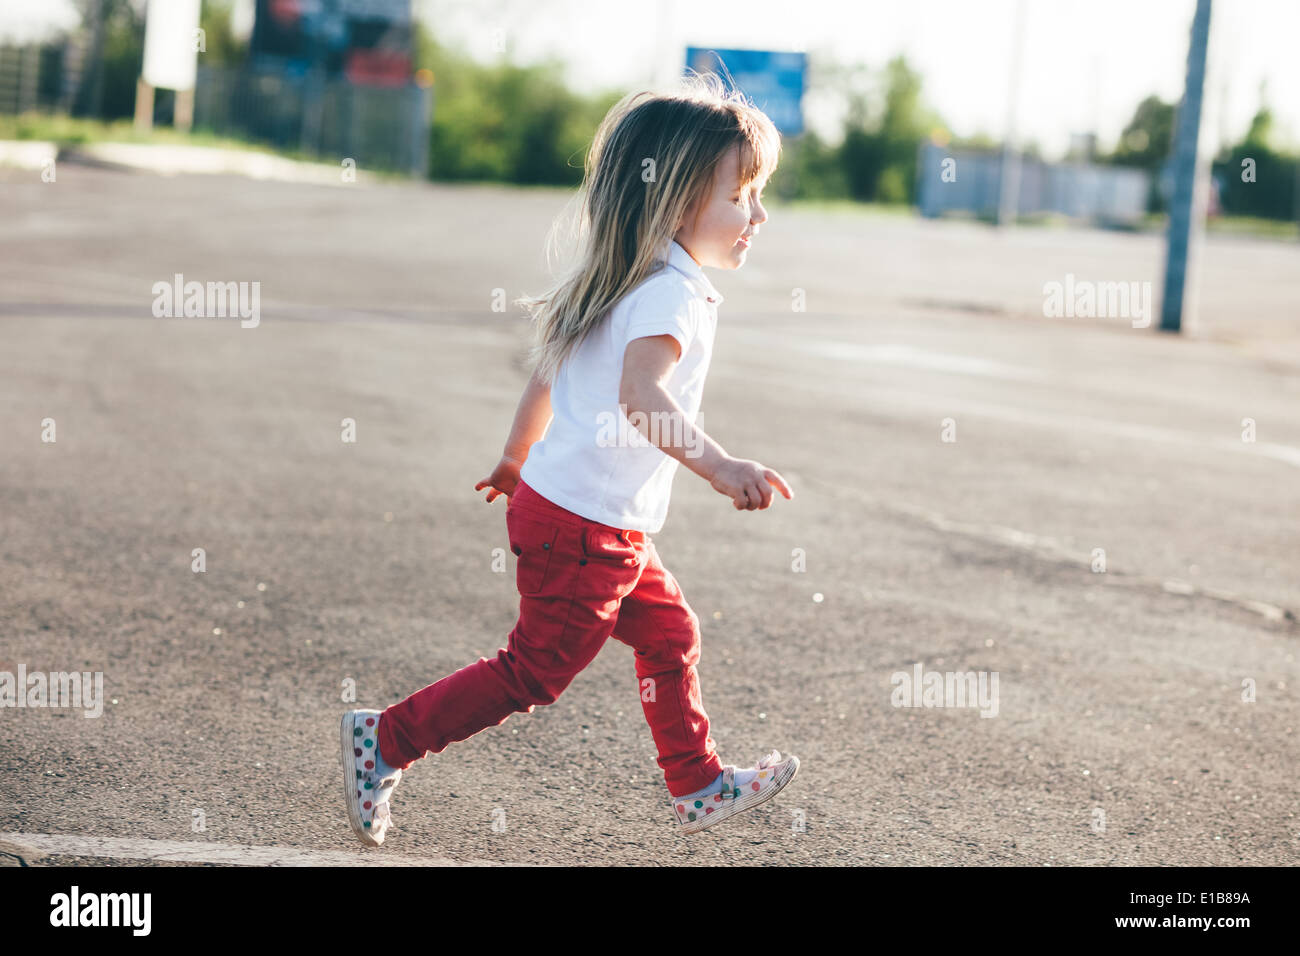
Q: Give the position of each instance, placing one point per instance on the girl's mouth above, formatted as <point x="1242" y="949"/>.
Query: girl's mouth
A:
<point x="743" y="242"/>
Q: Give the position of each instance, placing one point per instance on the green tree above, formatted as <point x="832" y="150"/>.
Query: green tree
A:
<point x="809" y="168"/>
<point x="1145" y="144"/>
<point x="505" y="122"/>
<point x="223" y="49"/>
<point x="113" y="32"/>
<point x="1146" y="140"/>
<point x="882" y="136"/>
<point x="1255" y="179"/>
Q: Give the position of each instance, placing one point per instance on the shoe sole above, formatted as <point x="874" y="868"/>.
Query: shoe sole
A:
<point x="747" y="802"/>
<point x="347" y="727"/>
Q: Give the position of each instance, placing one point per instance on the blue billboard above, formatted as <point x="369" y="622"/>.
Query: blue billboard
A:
<point x="775" y="81"/>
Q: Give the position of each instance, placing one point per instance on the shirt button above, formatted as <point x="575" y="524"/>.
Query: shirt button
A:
<point x="546" y="545"/>
<point x="582" y="560"/>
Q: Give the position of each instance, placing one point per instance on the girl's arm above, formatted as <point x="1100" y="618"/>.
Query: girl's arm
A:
<point x="532" y="418"/>
<point x="647" y="363"/>
<point x="531" y="421"/>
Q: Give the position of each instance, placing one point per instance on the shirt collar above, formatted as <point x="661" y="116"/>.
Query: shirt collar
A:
<point x="681" y="260"/>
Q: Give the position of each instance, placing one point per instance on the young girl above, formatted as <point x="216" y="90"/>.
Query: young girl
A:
<point x="673" y="183"/>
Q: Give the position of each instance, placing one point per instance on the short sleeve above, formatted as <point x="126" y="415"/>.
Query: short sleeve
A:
<point x="663" y="307"/>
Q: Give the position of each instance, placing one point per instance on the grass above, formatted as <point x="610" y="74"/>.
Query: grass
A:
<point x="76" y="131"/>
<point x="1253" y="226"/>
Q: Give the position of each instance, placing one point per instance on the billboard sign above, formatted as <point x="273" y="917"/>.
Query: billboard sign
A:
<point x="774" y="80"/>
<point x="171" y="49"/>
<point x="369" y="41"/>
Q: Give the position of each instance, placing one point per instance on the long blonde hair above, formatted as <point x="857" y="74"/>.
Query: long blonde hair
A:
<point x="653" y="156"/>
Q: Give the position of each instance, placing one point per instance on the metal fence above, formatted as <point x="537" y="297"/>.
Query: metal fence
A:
<point x="377" y="127"/>
<point x="30" y="78"/>
<point x="972" y="181"/>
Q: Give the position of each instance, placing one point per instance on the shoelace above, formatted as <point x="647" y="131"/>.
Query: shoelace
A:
<point x="381" y="789"/>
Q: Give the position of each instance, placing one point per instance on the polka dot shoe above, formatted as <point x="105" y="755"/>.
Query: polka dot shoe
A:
<point x="770" y="775"/>
<point x="365" y="791"/>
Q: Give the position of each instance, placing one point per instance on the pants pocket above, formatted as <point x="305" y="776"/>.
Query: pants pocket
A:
<point x="609" y="548"/>
<point x="533" y="540"/>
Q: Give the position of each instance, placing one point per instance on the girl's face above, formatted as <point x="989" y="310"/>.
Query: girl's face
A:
<point x="727" y="218"/>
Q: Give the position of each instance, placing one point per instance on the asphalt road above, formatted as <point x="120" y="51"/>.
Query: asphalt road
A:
<point x="1119" y="691"/>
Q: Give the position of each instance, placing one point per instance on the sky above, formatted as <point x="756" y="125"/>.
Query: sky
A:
<point x="1085" y="66"/>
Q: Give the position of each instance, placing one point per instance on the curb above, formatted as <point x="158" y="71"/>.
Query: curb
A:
<point x="27" y="154"/>
<point x="168" y="160"/>
<point x="13" y="854"/>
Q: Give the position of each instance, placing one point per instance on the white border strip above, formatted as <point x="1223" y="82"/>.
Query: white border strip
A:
<point x="31" y="847"/>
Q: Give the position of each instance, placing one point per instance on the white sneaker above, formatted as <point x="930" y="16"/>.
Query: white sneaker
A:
<point x="364" y="790"/>
<point x="770" y="775"/>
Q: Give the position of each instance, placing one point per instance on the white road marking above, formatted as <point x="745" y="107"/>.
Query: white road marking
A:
<point x="905" y="356"/>
<point x="32" y="846"/>
<point x="890" y="399"/>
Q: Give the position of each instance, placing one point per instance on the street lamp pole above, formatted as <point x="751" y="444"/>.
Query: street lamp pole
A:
<point x="1185" y="211"/>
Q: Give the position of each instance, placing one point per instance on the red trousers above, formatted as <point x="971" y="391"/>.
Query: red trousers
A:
<point x="580" y="582"/>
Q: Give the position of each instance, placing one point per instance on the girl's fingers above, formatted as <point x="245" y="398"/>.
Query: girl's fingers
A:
<point x="780" y="482"/>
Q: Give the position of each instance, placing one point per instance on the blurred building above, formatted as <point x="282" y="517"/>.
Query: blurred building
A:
<point x="967" y="181"/>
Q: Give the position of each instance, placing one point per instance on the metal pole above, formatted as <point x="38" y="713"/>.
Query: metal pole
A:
<point x="1181" y="211"/>
<point x="1009" y="192"/>
<point x="143" y="105"/>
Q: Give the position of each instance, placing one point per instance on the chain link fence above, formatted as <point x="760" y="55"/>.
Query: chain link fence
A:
<point x="33" y="77"/>
<point x="377" y="127"/>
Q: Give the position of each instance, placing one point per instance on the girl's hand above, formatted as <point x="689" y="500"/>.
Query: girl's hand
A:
<point x="748" y="484"/>
<point x="504" y="478"/>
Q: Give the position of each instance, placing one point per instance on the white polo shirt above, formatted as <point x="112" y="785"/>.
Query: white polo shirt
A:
<point x="592" y="460"/>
